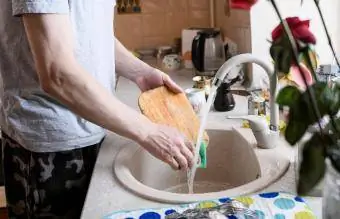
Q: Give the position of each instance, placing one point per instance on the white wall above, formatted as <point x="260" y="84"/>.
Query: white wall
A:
<point x="264" y="19"/>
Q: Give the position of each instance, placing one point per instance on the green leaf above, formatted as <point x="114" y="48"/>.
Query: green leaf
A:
<point x="335" y="104"/>
<point x="334" y="155"/>
<point x="329" y="129"/>
<point x="288" y="96"/>
<point x="297" y="124"/>
<point x="282" y="54"/>
<point x="328" y="99"/>
<point x="313" y="165"/>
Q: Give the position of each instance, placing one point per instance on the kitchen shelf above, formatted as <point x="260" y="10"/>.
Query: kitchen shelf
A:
<point x="129" y="7"/>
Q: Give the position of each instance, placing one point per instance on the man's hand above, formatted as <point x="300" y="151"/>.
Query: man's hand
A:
<point x="154" y="79"/>
<point x="170" y="146"/>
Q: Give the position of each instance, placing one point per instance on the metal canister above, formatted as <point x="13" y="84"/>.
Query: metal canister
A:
<point x="202" y="82"/>
<point x="256" y="105"/>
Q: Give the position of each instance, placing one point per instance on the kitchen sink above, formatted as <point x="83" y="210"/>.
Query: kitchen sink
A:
<point x="235" y="166"/>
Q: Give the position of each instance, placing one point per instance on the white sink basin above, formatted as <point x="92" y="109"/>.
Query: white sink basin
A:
<point x="235" y="167"/>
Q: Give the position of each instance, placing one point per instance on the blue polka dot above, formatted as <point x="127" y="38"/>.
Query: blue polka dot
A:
<point x="150" y="215"/>
<point x="224" y="200"/>
<point x="279" y="216"/>
<point x="259" y="214"/>
<point x="169" y="212"/>
<point x="269" y="195"/>
<point x="284" y="203"/>
<point x="299" y="199"/>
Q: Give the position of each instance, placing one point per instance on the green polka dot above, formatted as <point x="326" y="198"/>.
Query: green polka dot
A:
<point x="245" y="200"/>
<point x="304" y="215"/>
<point x="207" y="204"/>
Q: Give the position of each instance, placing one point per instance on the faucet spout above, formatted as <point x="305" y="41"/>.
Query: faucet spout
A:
<point x="249" y="58"/>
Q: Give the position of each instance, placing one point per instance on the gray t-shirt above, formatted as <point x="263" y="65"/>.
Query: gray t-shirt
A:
<point x="30" y="116"/>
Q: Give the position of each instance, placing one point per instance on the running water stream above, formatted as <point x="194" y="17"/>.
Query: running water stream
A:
<point x="203" y="120"/>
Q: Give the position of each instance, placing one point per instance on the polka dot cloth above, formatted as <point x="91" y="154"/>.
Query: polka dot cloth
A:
<point x="267" y="206"/>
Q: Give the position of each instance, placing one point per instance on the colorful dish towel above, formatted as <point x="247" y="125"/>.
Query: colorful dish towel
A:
<point x="267" y="206"/>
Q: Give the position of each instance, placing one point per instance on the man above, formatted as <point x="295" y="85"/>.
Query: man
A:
<point x="58" y="61"/>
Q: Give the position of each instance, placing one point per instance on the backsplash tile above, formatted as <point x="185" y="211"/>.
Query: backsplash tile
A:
<point x="199" y="18"/>
<point x="199" y="4"/>
<point x="133" y="35"/>
<point x="163" y="20"/>
<point x="178" y="5"/>
<point x="151" y="42"/>
<point x="154" y="6"/>
<point x="175" y="22"/>
<point x="153" y="25"/>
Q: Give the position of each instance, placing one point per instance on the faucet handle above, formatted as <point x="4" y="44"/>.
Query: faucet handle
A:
<point x="256" y="123"/>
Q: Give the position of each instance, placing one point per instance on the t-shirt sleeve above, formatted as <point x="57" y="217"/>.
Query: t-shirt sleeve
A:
<point x="20" y="7"/>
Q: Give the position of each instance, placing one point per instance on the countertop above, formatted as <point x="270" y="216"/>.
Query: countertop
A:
<point x="107" y="195"/>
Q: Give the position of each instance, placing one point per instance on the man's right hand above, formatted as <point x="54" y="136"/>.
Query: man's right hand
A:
<point x="169" y="145"/>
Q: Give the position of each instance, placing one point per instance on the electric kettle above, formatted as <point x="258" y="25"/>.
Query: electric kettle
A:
<point x="208" y="53"/>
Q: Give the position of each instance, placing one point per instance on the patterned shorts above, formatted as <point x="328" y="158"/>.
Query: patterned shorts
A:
<point x="46" y="185"/>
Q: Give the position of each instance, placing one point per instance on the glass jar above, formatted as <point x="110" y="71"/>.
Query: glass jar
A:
<point x="331" y="193"/>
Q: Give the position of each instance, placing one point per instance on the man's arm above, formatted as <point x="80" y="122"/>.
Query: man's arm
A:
<point x="145" y="76"/>
<point x="127" y="65"/>
<point x="62" y="77"/>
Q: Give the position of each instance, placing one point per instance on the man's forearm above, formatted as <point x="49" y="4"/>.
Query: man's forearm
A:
<point x="87" y="98"/>
<point x="62" y="77"/>
<point x="127" y="65"/>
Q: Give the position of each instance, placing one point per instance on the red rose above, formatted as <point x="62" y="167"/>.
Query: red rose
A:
<point x="299" y="29"/>
<point x="242" y="4"/>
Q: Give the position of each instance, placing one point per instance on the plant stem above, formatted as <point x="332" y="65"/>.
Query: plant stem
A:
<point x="327" y="33"/>
<point x="333" y="52"/>
<point x="294" y="48"/>
<point x="309" y="62"/>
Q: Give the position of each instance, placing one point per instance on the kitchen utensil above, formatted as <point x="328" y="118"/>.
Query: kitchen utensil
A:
<point x="162" y="106"/>
<point x="208" y="53"/>
<point x="196" y="98"/>
<point x="229" y="208"/>
<point x="171" y="62"/>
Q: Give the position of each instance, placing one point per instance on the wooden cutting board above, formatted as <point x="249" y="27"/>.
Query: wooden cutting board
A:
<point x="162" y="106"/>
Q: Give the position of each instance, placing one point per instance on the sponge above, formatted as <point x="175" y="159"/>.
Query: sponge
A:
<point x="203" y="155"/>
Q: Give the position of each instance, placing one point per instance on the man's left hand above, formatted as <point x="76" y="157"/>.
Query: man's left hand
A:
<point x="156" y="78"/>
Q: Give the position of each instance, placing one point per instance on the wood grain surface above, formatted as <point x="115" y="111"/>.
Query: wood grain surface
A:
<point x="162" y="106"/>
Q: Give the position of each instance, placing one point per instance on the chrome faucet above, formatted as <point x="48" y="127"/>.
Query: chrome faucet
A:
<point x="266" y="137"/>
